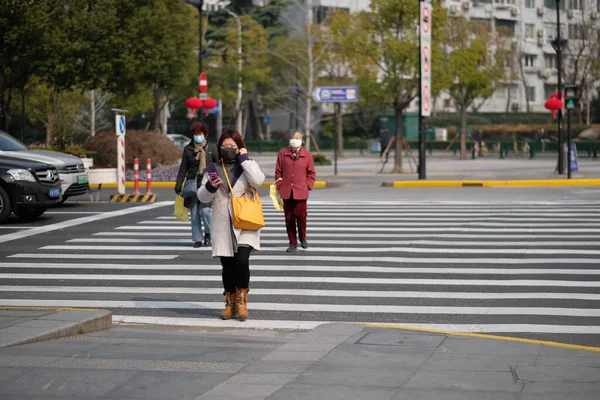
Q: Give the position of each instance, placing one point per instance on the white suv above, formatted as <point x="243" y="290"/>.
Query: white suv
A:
<point x="73" y="176"/>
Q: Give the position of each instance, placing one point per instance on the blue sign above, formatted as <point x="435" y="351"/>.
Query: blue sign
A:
<point x="335" y="94"/>
<point x="574" y="162"/>
<point x="268" y="120"/>
<point x="121" y="125"/>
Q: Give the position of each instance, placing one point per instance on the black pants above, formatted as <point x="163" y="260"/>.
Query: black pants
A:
<point x="236" y="270"/>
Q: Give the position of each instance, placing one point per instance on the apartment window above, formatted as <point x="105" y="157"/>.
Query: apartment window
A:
<point x="576" y="32"/>
<point x="550" y="61"/>
<point x="529" y="3"/>
<point x="529" y="61"/>
<point x="506" y="2"/>
<point x="548" y="90"/>
<point x="322" y="13"/>
<point x="552" y="4"/>
<point x="529" y="31"/>
<point x="576" y="5"/>
<point x="506" y="27"/>
<point x="530" y="93"/>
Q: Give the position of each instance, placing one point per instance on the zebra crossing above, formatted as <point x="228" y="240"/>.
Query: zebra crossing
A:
<point x="526" y="268"/>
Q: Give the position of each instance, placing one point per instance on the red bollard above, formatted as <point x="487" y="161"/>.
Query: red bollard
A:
<point x="149" y="176"/>
<point x="136" y="176"/>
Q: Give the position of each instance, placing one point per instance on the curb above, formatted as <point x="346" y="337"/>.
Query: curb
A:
<point x="171" y="185"/>
<point x="132" y="198"/>
<point x="485" y="336"/>
<point x="62" y="323"/>
<point x="494" y="183"/>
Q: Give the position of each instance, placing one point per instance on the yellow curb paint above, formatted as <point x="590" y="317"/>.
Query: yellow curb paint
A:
<point x="494" y="183"/>
<point x="486" y="336"/>
<point x="132" y="198"/>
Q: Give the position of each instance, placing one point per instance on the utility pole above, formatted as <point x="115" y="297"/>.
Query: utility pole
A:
<point x="238" y="102"/>
<point x="559" y="44"/>
<point x="199" y="4"/>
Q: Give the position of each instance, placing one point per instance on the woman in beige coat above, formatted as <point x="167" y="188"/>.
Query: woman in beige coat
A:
<point x="231" y="245"/>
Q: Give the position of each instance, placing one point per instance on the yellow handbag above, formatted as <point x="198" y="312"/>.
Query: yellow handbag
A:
<point x="180" y="211"/>
<point x="247" y="208"/>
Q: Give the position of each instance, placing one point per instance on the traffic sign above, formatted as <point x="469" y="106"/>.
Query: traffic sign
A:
<point x="335" y="94"/>
<point x="120" y="125"/>
<point x="425" y="45"/>
<point x="203" y="83"/>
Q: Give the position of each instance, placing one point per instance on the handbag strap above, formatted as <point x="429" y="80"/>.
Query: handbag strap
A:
<point x="227" y="177"/>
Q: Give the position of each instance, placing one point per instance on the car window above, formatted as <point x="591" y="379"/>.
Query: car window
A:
<point x="9" y="143"/>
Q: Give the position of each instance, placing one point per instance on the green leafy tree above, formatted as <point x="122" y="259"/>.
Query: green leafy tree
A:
<point x="476" y="60"/>
<point x="382" y="43"/>
<point x="157" y="40"/>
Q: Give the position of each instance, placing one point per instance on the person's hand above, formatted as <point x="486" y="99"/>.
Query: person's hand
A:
<point x="215" y="182"/>
<point x="241" y="151"/>
<point x="177" y="191"/>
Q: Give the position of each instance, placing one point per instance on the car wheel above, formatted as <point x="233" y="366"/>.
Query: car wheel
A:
<point x="29" y="213"/>
<point x="5" y="205"/>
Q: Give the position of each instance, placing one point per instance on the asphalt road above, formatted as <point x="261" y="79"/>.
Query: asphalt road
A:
<point x="515" y="262"/>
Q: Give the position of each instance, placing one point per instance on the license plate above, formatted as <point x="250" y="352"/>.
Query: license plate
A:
<point x="82" y="179"/>
<point x="54" y="192"/>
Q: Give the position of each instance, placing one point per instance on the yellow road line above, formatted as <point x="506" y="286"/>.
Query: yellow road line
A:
<point x="486" y="336"/>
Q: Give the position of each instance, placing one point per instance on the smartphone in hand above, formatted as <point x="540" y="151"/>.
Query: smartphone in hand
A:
<point x="212" y="176"/>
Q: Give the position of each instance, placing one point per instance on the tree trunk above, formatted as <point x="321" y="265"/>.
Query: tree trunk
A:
<point x="463" y="133"/>
<point x="92" y="113"/>
<point x="245" y="121"/>
<point x="51" y="118"/>
<point x="259" y="120"/>
<point x="309" y="48"/>
<point x="398" y="140"/>
<point x="3" y="105"/>
<point x="524" y="80"/>
<point x="157" y="110"/>
<point x="260" y="115"/>
<point x="340" y="130"/>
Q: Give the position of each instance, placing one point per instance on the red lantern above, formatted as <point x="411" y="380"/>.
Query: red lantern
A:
<point x="209" y="103"/>
<point x="193" y="104"/>
<point x="553" y="104"/>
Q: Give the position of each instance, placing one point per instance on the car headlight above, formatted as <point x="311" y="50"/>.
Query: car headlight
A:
<point x="21" y="175"/>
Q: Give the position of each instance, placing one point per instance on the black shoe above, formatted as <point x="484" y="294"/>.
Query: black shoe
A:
<point x="292" y="247"/>
<point x="197" y="244"/>
<point x="304" y="244"/>
<point x="207" y="240"/>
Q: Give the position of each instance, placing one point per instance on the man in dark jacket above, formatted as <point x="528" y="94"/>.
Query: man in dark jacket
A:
<point x="196" y="156"/>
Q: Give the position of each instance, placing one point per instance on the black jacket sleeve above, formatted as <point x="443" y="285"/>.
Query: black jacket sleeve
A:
<point x="183" y="167"/>
<point x="215" y="153"/>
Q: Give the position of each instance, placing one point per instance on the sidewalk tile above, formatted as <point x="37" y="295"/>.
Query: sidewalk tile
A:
<point x="477" y="362"/>
<point x="332" y="392"/>
<point x="235" y="389"/>
<point x="586" y="360"/>
<point x="569" y="374"/>
<point x="554" y="388"/>
<point x="482" y="346"/>
<point x="355" y="376"/>
<point x="465" y="380"/>
<point x="166" y="385"/>
<point x="262" y="378"/>
<point x="275" y="367"/>
<point x="429" y="394"/>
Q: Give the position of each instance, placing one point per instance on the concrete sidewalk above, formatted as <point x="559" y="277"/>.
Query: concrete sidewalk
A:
<point x="20" y="325"/>
<point x="333" y="361"/>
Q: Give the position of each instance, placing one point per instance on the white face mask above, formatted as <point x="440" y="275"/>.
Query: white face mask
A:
<point x="295" y="143"/>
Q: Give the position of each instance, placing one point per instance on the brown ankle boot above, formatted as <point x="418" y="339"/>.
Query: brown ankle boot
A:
<point x="241" y="297"/>
<point x="230" y="306"/>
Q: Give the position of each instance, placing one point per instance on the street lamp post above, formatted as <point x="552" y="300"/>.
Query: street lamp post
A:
<point x="558" y="44"/>
<point x="238" y="102"/>
<point x="199" y="4"/>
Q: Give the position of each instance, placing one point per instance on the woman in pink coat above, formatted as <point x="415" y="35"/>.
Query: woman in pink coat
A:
<point x="295" y="176"/>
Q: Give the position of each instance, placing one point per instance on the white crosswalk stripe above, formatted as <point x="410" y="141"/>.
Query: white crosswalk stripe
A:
<point x="464" y="266"/>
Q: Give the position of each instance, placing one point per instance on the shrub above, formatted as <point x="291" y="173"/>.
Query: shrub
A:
<point x="140" y="144"/>
<point x="320" y="159"/>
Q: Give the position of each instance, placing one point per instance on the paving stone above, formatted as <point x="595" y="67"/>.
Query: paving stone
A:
<point x="399" y="338"/>
<point x="355" y="376"/>
<point x="262" y="378"/>
<point x="464" y="380"/>
<point x="24" y="313"/>
<point x="8" y="374"/>
<point x="332" y="392"/>
<point x="26" y="361"/>
<point x="295" y="355"/>
<point x="64" y="383"/>
<point x="10" y="321"/>
<point x="562" y="351"/>
<point x="558" y="374"/>
<point x="565" y="360"/>
<point x="73" y="315"/>
<point x="235" y="389"/>
<point x="466" y="345"/>
<point x="554" y="388"/>
<point x="559" y="396"/>
<point x="44" y="323"/>
<point x="435" y="394"/>
<point x="335" y="329"/>
<point x="477" y="362"/>
<point x="283" y="367"/>
<point x="166" y="385"/>
<point x="313" y="347"/>
<point x="357" y="355"/>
